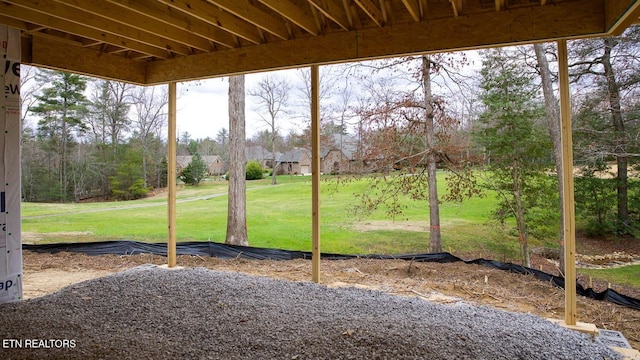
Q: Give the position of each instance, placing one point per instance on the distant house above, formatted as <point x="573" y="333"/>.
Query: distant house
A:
<point x="340" y="155"/>
<point x="259" y="154"/>
<point x="296" y="161"/>
<point x="214" y="163"/>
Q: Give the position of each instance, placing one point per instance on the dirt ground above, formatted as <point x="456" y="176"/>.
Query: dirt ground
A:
<point x="445" y="283"/>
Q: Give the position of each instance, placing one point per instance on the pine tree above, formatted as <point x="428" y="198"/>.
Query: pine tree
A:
<point x="61" y="108"/>
<point x="517" y="147"/>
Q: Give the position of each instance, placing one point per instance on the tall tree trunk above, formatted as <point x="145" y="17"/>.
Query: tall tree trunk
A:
<point x="553" y="126"/>
<point x="237" y="203"/>
<point x="273" y="151"/>
<point x="618" y="126"/>
<point x="519" y="213"/>
<point x="435" y="238"/>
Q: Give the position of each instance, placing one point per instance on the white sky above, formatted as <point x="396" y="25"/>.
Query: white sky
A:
<point x="202" y="106"/>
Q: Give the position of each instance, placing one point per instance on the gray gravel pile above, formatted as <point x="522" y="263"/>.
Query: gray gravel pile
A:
<point x="153" y="313"/>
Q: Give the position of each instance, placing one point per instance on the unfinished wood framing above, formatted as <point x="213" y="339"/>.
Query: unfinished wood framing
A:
<point x="568" y="206"/>
<point x="315" y="172"/>
<point x="179" y="40"/>
<point x="171" y="178"/>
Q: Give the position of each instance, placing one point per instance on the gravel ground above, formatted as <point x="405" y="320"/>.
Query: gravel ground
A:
<point x="153" y="313"/>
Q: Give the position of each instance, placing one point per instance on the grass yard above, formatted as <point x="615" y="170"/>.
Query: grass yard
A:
<point x="277" y="217"/>
<point x="628" y="275"/>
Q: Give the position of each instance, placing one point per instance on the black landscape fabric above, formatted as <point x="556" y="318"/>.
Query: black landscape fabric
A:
<point x="224" y="251"/>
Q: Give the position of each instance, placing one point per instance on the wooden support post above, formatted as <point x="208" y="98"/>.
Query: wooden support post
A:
<point x="568" y="206"/>
<point x="171" y="177"/>
<point x="315" y="172"/>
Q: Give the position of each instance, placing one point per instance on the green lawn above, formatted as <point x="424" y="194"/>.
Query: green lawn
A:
<point x="277" y="217"/>
<point x="628" y="275"/>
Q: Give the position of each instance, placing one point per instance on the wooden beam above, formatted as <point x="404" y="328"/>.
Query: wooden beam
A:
<point x="456" y="5"/>
<point x="11" y="22"/>
<point x="171" y="178"/>
<point x="315" y="173"/>
<point x="620" y="14"/>
<point x="568" y="205"/>
<point x="293" y="13"/>
<point x="140" y="21"/>
<point x="87" y="19"/>
<point x="255" y="16"/>
<point x="488" y="29"/>
<point x="413" y="8"/>
<point x="35" y="17"/>
<point x="371" y="10"/>
<point x="333" y="11"/>
<point x="44" y="52"/>
<point x="178" y="19"/>
<point x="499" y="5"/>
<point x="212" y="15"/>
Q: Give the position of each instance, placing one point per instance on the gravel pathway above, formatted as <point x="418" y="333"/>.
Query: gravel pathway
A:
<point x="154" y="313"/>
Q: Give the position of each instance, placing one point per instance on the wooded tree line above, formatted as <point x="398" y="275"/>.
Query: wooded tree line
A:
<point x="107" y="144"/>
<point x="406" y="114"/>
<point x="500" y="132"/>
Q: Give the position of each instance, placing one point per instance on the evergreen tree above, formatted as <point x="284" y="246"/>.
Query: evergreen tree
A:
<point x="61" y="107"/>
<point x="195" y="171"/>
<point x="516" y="145"/>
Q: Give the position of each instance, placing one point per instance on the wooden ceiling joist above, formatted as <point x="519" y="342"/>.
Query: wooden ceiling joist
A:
<point x="212" y="15"/>
<point x="513" y="27"/>
<point x="125" y="15"/>
<point x="413" y="7"/>
<point x="334" y="10"/>
<point x="294" y="13"/>
<point x="456" y="6"/>
<point x="372" y="11"/>
<point x="207" y="38"/>
<point x="255" y="16"/>
<point x="80" y="30"/>
<point x="178" y="19"/>
<point x="86" y="19"/>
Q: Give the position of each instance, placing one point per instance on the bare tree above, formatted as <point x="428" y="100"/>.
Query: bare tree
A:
<point x="237" y="203"/>
<point x="150" y="118"/>
<point x="272" y="95"/>
<point x="435" y="238"/>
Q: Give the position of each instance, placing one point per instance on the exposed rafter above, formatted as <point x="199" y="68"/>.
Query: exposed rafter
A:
<point x="212" y="15"/>
<point x="413" y="7"/>
<point x="53" y="22"/>
<point x="372" y="11"/>
<point x="255" y="16"/>
<point x="86" y="19"/>
<point x="143" y="22"/>
<point x="334" y="10"/>
<point x="178" y="19"/>
<point x="456" y="6"/>
<point x="176" y="40"/>
<point x="294" y="13"/>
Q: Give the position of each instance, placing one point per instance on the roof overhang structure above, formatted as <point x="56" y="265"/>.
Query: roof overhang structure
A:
<point x="150" y="42"/>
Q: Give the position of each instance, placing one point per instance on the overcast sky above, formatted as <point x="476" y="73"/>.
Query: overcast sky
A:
<point x="202" y="105"/>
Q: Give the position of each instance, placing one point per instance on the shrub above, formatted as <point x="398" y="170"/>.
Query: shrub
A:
<point x="254" y="170"/>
